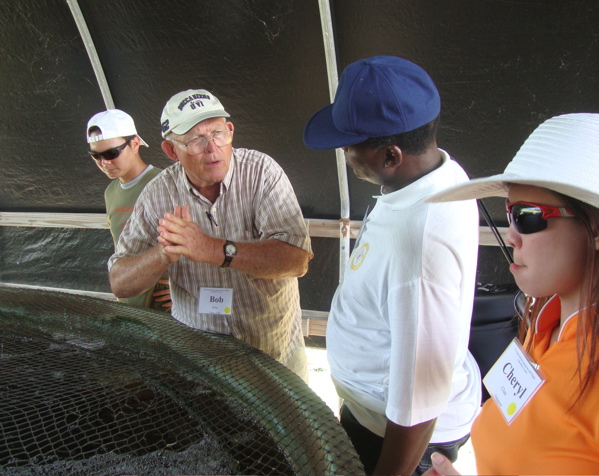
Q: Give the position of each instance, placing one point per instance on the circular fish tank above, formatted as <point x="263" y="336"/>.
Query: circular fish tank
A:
<point x="89" y="386"/>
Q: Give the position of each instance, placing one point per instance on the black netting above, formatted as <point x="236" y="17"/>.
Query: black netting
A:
<point x="96" y="387"/>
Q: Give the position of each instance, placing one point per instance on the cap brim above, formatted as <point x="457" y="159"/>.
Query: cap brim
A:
<point x="320" y="132"/>
<point x="190" y="123"/>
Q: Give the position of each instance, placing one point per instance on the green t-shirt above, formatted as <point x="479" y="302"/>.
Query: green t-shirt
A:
<point x="119" y="206"/>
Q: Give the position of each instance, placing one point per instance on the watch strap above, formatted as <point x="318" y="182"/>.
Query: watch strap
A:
<point x="228" y="255"/>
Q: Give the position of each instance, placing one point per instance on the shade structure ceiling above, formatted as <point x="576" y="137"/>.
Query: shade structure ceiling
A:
<point x="501" y="68"/>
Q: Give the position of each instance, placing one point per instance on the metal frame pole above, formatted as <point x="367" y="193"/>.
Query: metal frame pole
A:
<point x="331" y="60"/>
<point x="91" y="53"/>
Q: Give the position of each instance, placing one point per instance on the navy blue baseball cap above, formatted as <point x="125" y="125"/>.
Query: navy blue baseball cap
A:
<point x="376" y="97"/>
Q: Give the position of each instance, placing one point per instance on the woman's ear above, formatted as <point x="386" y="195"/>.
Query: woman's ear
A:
<point x="596" y="243"/>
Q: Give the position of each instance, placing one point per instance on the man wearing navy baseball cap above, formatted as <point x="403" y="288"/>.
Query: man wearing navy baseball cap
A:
<point x="397" y="335"/>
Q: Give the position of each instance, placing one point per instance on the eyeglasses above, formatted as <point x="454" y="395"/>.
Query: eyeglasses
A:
<point x="109" y="154"/>
<point x="530" y="218"/>
<point x="198" y="145"/>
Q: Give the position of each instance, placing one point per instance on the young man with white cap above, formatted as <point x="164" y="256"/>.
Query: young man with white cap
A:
<point x="226" y="224"/>
<point x="397" y="335"/>
<point x="114" y="145"/>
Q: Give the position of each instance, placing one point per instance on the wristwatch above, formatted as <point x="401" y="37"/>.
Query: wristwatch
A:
<point x="230" y="250"/>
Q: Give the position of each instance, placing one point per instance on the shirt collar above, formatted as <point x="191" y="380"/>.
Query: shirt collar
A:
<point x="224" y="185"/>
<point x="421" y="188"/>
<point x="549" y="317"/>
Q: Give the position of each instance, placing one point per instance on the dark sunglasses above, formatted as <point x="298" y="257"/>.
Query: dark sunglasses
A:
<point x="530" y="218"/>
<point x="109" y="154"/>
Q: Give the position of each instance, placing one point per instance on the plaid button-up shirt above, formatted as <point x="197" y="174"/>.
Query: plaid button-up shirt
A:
<point x="256" y="203"/>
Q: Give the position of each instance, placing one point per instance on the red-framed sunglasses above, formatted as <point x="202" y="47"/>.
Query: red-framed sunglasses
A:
<point x="530" y="218"/>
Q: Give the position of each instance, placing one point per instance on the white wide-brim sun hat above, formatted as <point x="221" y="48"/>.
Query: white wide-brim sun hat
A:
<point x="562" y="155"/>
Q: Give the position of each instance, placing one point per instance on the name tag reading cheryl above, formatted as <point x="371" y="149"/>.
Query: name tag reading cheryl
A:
<point x="215" y="301"/>
<point x="513" y="380"/>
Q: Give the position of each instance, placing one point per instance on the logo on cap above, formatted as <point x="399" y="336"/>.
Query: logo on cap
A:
<point x="193" y="98"/>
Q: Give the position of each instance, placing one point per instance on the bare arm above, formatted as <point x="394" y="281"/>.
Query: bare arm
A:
<point x="271" y="259"/>
<point x="403" y="447"/>
<point x="132" y="275"/>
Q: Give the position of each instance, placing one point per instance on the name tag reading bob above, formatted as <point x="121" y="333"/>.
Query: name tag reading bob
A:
<point x="215" y="301"/>
<point x="513" y="380"/>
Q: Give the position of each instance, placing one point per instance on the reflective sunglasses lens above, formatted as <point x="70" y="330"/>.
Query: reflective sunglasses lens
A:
<point x="112" y="154"/>
<point x="527" y="219"/>
<point x="109" y="154"/>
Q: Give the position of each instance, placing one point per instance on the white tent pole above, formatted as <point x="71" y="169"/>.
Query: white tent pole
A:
<point x="331" y="60"/>
<point x="91" y="52"/>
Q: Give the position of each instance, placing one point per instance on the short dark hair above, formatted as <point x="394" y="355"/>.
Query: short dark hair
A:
<point x="414" y="142"/>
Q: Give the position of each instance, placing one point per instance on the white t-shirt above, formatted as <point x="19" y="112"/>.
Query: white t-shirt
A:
<point x="397" y="336"/>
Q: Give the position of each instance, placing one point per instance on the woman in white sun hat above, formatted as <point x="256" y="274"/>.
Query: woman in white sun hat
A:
<point x="552" y="190"/>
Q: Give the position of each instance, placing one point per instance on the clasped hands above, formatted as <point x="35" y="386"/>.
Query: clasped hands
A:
<point x="180" y="236"/>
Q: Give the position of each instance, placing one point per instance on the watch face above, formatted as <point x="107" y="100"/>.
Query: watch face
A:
<point x="230" y="249"/>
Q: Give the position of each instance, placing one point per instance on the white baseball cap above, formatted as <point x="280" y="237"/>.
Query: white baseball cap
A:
<point x="562" y="155"/>
<point x="112" y="123"/>
<point x="188" y="108"/>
